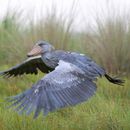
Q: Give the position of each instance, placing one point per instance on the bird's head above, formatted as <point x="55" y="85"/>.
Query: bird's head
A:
<point x="40" y="48"/>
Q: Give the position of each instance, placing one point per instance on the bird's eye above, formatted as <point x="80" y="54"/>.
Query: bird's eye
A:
<point x="40" y="44"/>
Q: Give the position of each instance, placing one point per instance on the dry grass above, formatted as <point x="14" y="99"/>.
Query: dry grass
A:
<point x="109" y="43"/>
<point x="16" y="39"/>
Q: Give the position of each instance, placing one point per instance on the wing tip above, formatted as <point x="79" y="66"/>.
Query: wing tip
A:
<point x="115" y="80"/>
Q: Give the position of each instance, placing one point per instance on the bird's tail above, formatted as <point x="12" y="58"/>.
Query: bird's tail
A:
<point x="115" y="80"/>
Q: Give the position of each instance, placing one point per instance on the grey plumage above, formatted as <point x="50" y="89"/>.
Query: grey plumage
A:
<point x="70" y="80"/>
<point x="29" y="66"/>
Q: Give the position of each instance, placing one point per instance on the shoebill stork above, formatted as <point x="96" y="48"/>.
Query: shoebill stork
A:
<point x="69" y="80"/>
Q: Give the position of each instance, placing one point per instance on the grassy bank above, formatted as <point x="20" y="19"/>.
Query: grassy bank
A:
<point x="109" y="109"/>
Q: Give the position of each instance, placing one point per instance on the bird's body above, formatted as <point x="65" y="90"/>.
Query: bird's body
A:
<point x="69" y="79"/>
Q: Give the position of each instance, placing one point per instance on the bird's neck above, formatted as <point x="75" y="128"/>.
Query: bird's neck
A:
<point x="46" y="55"/>
<point x="49" y="59"/>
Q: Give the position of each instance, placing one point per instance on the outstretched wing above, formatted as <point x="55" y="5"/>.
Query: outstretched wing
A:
<point x="29" y="66"/>
<point x="67" y="85"/>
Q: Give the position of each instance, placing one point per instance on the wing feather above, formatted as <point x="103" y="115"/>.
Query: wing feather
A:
<point x="67" y="85"/>
<point x="29" y="66"/>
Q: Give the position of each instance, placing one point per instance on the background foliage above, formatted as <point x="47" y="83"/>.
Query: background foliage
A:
<point x="108" y="43"/>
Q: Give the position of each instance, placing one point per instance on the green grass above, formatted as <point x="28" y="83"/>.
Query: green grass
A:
<point x="109" y="109"/>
